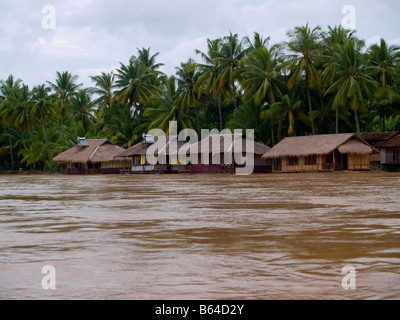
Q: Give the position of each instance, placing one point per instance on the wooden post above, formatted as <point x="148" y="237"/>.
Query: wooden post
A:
<point x="334" y="162"/>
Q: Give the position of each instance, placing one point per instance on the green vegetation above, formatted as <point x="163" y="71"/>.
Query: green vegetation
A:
<point x="319" y="82"/>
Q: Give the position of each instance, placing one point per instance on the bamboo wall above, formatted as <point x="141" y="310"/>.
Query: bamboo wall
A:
<point x="302" y="166"/>
<point x="359" y="162"/>
<point x="354" y="162"/>
<point x="116" y="164"/>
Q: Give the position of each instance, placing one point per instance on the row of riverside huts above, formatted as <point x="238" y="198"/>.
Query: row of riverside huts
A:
<point x="336" y="152"/>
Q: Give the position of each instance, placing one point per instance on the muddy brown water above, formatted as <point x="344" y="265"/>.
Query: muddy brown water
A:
<point x="259" y="237"/>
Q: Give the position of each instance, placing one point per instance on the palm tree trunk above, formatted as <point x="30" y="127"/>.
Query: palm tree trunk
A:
<point x="44" y="133"/>
<point x="272" y="131"/>
<point x="22" y="139"/>
<point x="280" y="130"/>
<point x="198" y="119"/>
<point x="220" y="113"/>
<point x="337" y="120"/>
<point x="11" y="149"/>
<point x="310" y="108"/>
<point x="357" y="122"/>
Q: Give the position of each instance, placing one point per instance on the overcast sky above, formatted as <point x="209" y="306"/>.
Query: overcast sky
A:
<point x="92" y="36"/>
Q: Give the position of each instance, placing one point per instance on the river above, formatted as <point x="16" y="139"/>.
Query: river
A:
<point x="202" y="237"/>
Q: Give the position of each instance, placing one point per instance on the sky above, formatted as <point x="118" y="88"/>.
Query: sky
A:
<point x="87" y="37"/>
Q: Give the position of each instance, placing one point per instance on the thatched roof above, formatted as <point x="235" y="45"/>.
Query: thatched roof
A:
<point x="137" y="150"/>
<point x="394" y="142"/>
<point x="142" y="147"/>
<point x="232" y="143"/>
<point x="374" y="138"/>
<point x="97" y="151"/>
<point x="319" y="145"/>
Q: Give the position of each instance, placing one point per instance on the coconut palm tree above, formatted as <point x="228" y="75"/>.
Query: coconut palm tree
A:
<point x="64" y="87"/>
<point x="164" y="108"/>
<point x="187" y="76"/>
<point x="42" y="106"/>
<point x="228" y="59"/>
<point x="135" y="82"/>
<point x="289" y="109"/>
<point x="260" y="78"/>
<point x="383" y="61"/>
<point x="104" y="89"/>
<point x="304" y="46"/>
<point x="337" y="35"/>
<point x="149" y="60"/>
<point x="82" y="110"/>
<point x="348" y="79"/>
<point x="258" y="41"/>
<point x="207" y="83"/>
<point x="8" y="92"/>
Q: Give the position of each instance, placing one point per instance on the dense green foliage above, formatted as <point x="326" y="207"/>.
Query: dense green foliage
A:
<point x="318" y="82"/>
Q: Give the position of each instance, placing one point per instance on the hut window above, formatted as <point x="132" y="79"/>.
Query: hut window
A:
<point x="311" y="160"/>
<point x="293" y="161"/>
<point x="329" y="158"/>
<point x="137" y="160"/>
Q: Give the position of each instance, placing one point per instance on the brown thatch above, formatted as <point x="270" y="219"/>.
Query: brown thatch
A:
<point x="394" y="142"/>
<point x="319" y="145"/>
<point x="232" y="144"/>
<point x="374" y="138"/>
<point x="137" y="150"/>
<point x="97" y="151"/>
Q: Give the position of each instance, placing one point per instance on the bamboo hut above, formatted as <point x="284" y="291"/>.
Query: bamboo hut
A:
<point x="216" y="154"/>
<point x="336" y="152"/>
<point x="92" y="157"/>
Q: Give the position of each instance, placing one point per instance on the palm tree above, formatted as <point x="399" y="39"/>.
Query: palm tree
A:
<point x="260" y="78"/>
<point x="64" y="87"/>
<point x="346" y="72"/>
<point x="228" y="59"/>
<point x="149" y="60"/>
<point x="337" y="35"/>
<point x="164" y="108"/>
<point x="209" y="73"/>
<point x="384" y="62"/>
<point x="258" y="41"/>
<point x="8" y="89"/>
<point x="305" y="47"/>
<point x="287" y="108"/>
<point x="187" y="77"/>
<point x="82" y="110"/>
<point x="248" y="115"/>
<point x="136" y="83"/>
<point x="104" y="86"/>
<point x="42" y="108"/>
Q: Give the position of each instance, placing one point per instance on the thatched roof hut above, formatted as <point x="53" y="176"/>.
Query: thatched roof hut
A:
<point x="92" y="154"/>
<point x="319" y="145"/>
<point x="97" y="151"/>
<point x="322" y="152"/>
